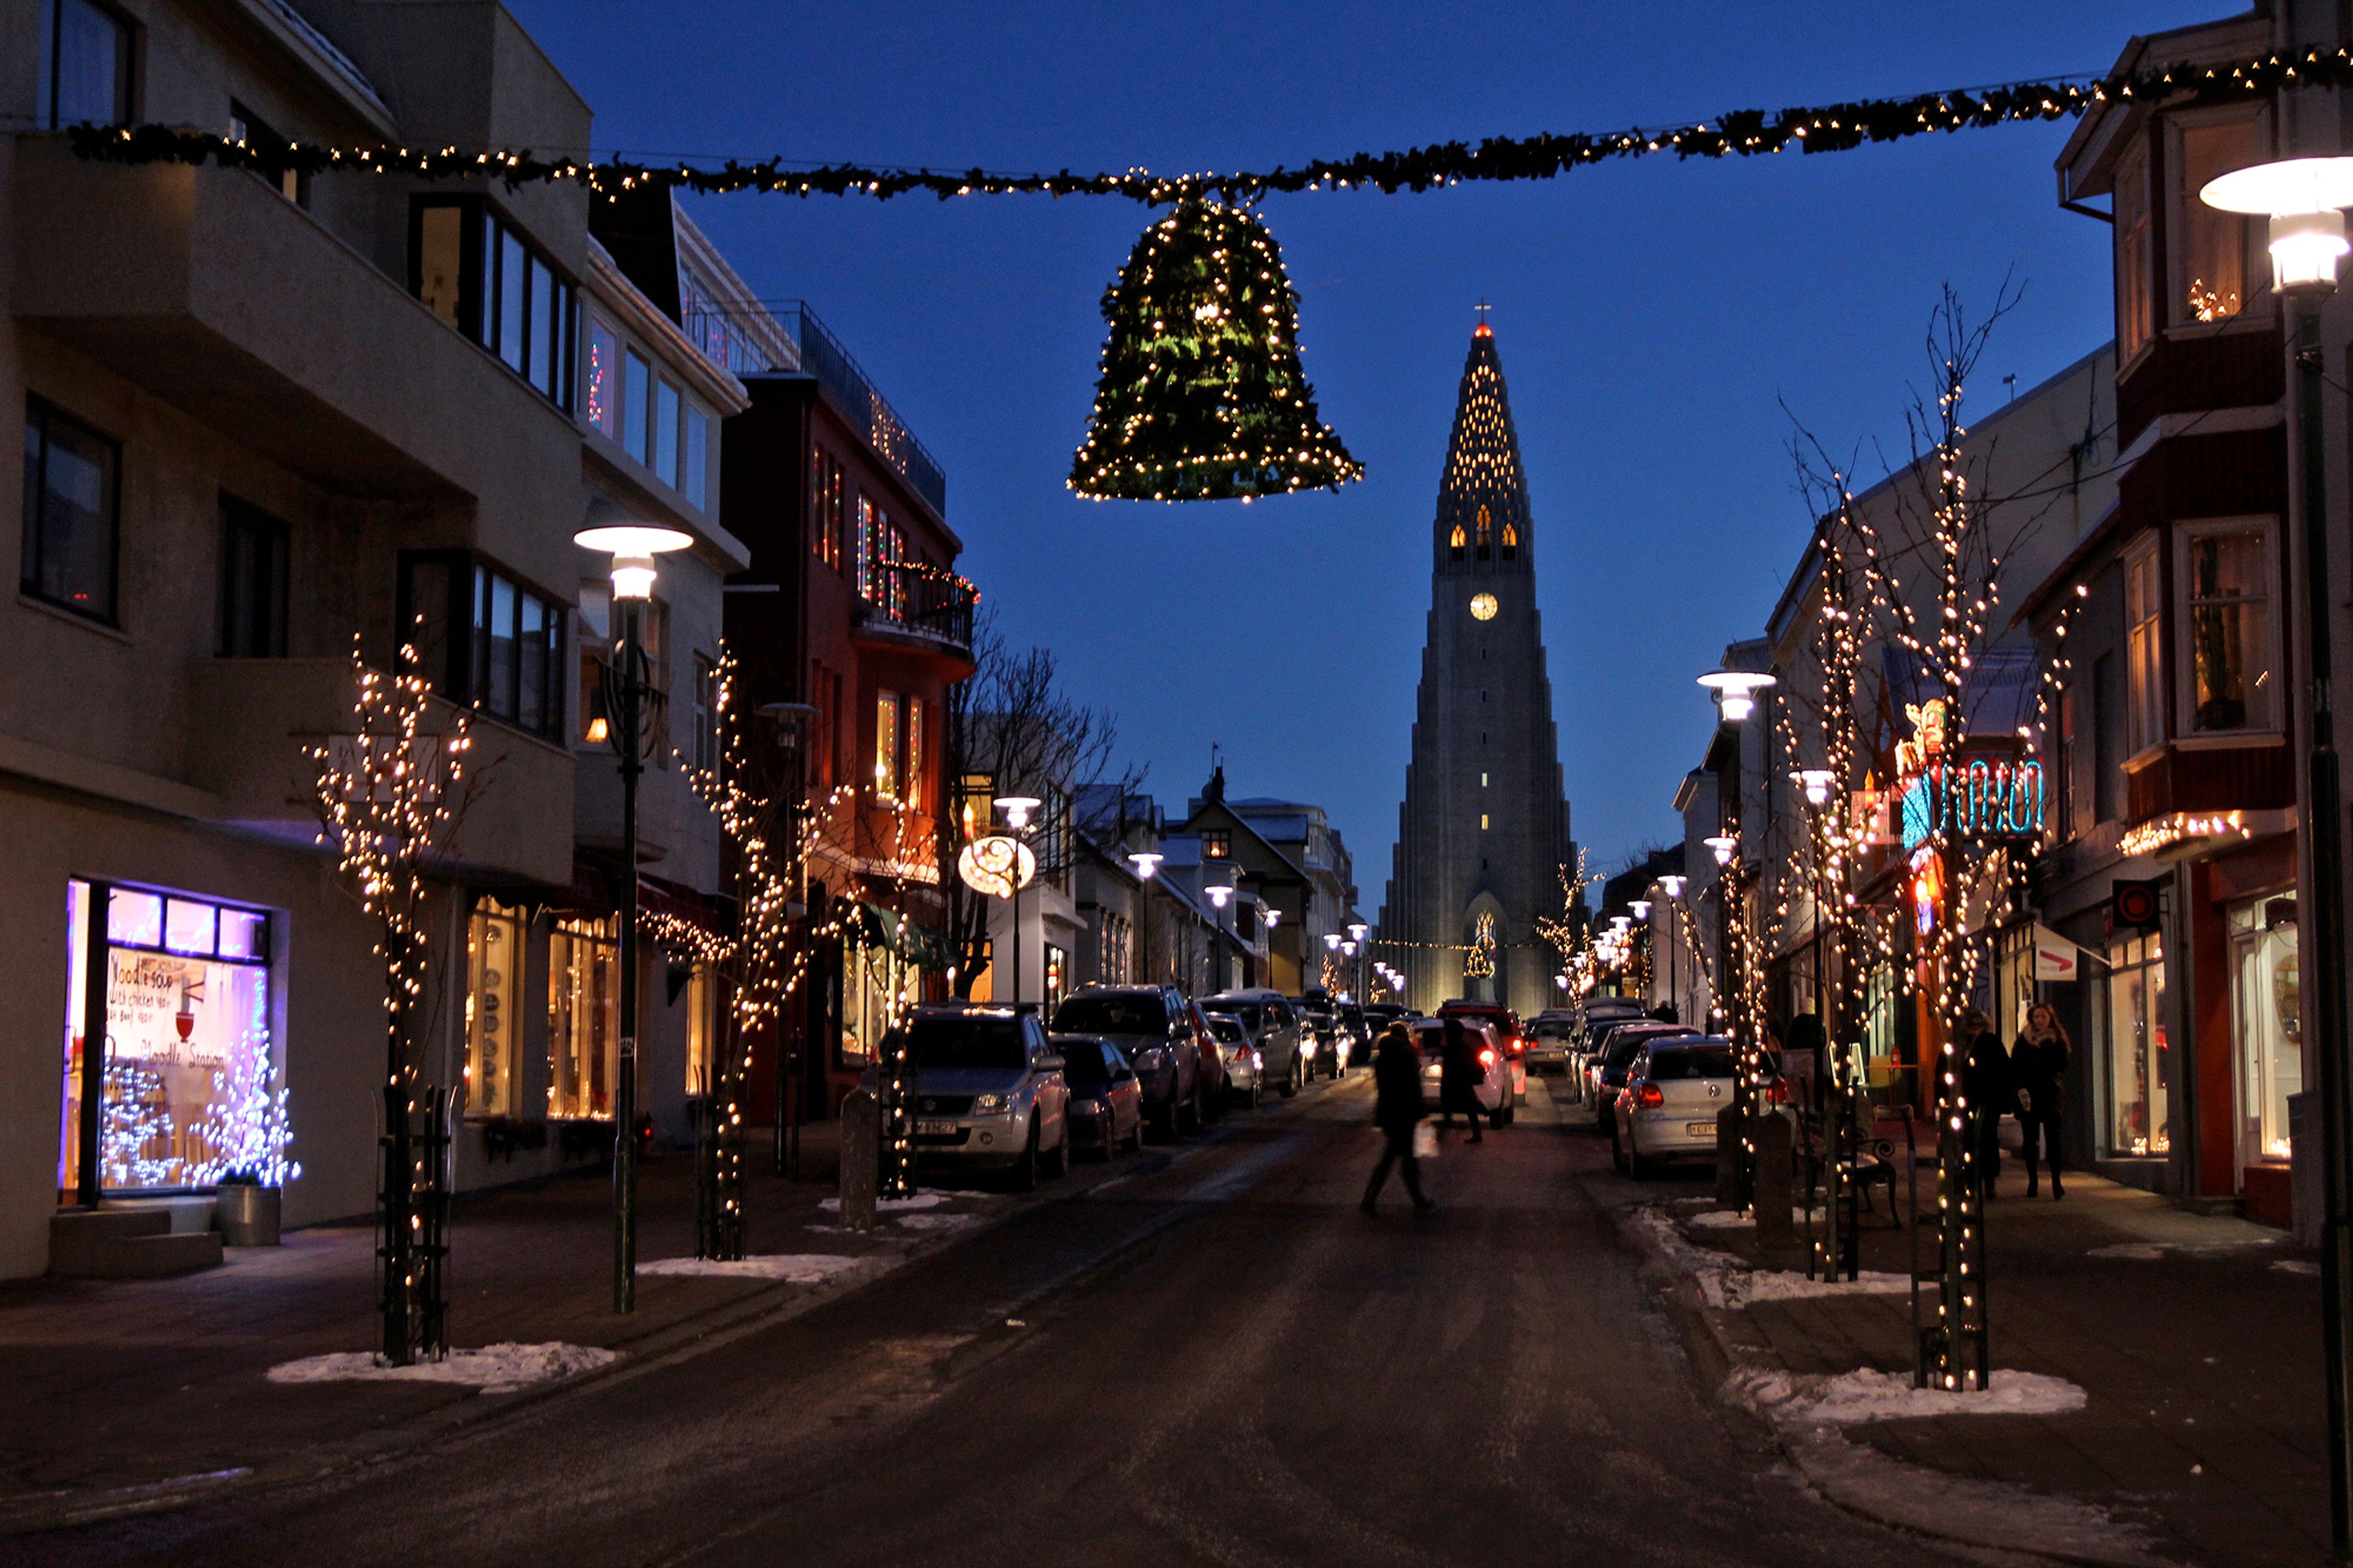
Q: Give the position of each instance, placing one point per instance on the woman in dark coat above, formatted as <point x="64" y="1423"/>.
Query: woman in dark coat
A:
<point x="2039" y="1067"/>
<point x="1458" y="1084"/>
<point x="1397" y="1110"/>
<point x="1986" y="1084"/>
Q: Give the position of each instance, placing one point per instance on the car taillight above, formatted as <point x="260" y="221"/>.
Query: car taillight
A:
<point x="1486" y="1058"/>
<point x="1650" y="1097"/>
<point x="1777" y="1093"/>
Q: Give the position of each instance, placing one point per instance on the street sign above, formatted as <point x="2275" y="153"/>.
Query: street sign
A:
<point x="2134" y="905"/>
<point x="997" y="866"/>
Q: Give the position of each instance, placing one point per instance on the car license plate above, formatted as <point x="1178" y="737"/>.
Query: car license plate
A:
<point x="935" y="1129"/>
<point x="1700" y="1129"/>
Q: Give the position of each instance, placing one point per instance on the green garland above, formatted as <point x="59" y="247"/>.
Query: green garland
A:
<point x="1748" y="133"/>
<point x="1201" y="395"/>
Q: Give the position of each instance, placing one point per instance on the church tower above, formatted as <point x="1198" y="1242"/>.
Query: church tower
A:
<point x="1485" y="826"/>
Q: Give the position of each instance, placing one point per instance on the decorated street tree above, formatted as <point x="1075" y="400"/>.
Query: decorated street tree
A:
<point x="391" y="793"/>
<point x="1201" y="395"/>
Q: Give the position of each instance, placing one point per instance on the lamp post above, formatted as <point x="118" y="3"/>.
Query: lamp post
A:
<point x="1017" y="809"/>
<point x="2305" y="198"/>
<point x="1735" y="692"/>
<point x="1219" y="883"/>
<point x="1673" y="886"/>
<point x="628" y="679"/>
<point x="1358" y="931"/>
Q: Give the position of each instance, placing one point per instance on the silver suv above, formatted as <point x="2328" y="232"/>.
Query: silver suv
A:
<point x="1154" y="1027"/>
<point x="988" y="1090"/>
<point x="1273" y="1026"/>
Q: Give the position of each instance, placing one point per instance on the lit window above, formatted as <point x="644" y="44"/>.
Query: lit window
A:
<point x="494" y="955"/>
<point x="604" y="408"/>
<point x="701" y="1028"/>
<point x="2145" y="701"/>
<point x="886" y="745"/>
<point x="2210" y="272"/>
<point x="1216" y="844"/>
<point x="911" y="782"/>
<point x="482" y="277"/>
<point x="2133" y="256"/>
<point x="2228" y="574"/>
<point x="584" y="1018"/>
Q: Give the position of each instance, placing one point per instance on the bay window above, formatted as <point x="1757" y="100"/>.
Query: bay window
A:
<point x="2211" y="275"/>
<point x="2133" y="255"/>
<point x="2226" y="576"/>
<point x="2145" y="697"/>
<point x="886" y="745"/>
<point x="482" y="276"/>
<point x="483" y="638"/>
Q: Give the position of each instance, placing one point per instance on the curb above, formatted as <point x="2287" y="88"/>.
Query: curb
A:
<point x="1721" y="1343"/>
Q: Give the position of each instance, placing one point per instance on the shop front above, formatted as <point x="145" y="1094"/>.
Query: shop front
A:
<point x="183" y="1086"/>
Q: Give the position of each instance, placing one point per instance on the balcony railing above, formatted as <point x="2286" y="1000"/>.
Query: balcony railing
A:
<point x="924" y="601"/>
<point x="823" y="356"/>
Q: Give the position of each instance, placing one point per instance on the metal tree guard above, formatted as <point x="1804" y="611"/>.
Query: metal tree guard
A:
<point x="412" y="1244"/>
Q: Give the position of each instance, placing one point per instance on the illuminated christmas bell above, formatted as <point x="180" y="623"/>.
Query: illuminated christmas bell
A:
<point x="1201" y="395"/>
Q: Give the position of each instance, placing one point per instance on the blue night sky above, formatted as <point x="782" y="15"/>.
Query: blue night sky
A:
<point x="1650" y="315"/>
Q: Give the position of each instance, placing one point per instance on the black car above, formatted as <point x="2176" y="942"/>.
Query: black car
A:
<point x="1153" y="1025"/>
<point x="1619" y="1048"/>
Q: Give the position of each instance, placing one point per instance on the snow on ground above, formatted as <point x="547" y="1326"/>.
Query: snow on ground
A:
<point x="794" y="1268"/>
<point x="2137" y="1251"/>
<point x="1727" y="1220"/>
<point x="925" y="1198"/>
<point x="1789" y="1398"/>
<point x="937" y="1221"/>
<point x="2296" y="1266"/>
<point x="503" y="1368"/>
<point x="1726" y="1282"/>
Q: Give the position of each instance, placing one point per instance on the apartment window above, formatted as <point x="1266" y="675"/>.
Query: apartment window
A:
<point x="637" y="394"/>
<point x="252" y="583"/>
<point x="245" y="126"/>
<point x="604" y="388"/>
<point x="911" y="772"/>
<point x="2210" y="274"/>
<point x="825" y="488"/>
<point x="886" y="745"/>
<point x="2107" y="718"/>
<point x="868" y="546"/>
<point x="663" y="438"/>
<point x="494" y="955"/>
<point x="695" y="474"/>
<point x="485" y="639"/>
<point x="2145" y="700"/>
<point x="73" y="513"/>
<point x="2133" y="255"/>
<point x="706" y="714"/>
<point x="86" y="65"/>
<point x="2226" y="582"/>
<point x="481" y="276"/>
<point x="1216" y="844"/>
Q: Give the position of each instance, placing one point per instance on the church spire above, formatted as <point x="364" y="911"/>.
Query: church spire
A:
<point x="1483" y="497"/>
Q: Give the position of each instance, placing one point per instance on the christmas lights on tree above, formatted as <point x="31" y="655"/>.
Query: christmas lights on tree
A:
<point x="137" y="1119"/>
<point x="1201" y="395"/>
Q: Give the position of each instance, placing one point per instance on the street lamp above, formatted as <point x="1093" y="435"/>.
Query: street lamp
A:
<point x="1017" y="809"/>
<point x="1671" y="886"/>
<point x="2305" y="198"/>
<point x="1723" y="846"/>
<point x="628" y="679"/>
<point x="1816" y="783"/>
<point x="1146" y="862"/>
<point x="1219" y="885"/>
<point x="1735" y="691"/>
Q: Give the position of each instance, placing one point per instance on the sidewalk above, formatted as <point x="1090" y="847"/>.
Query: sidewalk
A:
<point x="2196" y="1340"/>
<point x="118" y="1388"/>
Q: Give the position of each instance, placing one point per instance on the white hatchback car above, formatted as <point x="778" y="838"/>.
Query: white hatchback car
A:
<point x="1497" y="1075"/>
<point x="1243" y="1070"/>
<point x="1668" y="1109"/>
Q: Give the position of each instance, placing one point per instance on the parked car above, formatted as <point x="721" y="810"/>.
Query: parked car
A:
<point x="1215" y="1091"/>
<point x="1356" y="1037"/>
<point x="988" y="1090"/>
<point x="1153" y="1025"/>
<point x="1106" y="1097"/>
<point x="1506" y="1025"/>
<point x="1233" y="1043"/>
<point x="1274" y="1028"/>
<point x="1602" y="1015"/>
<point x="1626" y="1042"/>
<point x="1379" y="1016"/>
<point x="1493" y="1091"/>
<point x="1551" y="1033"/>
<point x="1325" y="1061"/>
<point x="1668" y="1109"/>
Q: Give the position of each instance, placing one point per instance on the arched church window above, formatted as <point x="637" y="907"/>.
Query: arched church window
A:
<point x="1486" y="527"/>
<point x="1457" y="542"/>
<point x="1511" y="541"/>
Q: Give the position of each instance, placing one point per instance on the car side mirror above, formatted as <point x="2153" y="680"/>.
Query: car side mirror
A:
<point x="1049" y="1064"/>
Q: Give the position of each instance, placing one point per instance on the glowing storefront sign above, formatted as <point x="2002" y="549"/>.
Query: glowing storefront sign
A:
<point x="1981" y="798"/>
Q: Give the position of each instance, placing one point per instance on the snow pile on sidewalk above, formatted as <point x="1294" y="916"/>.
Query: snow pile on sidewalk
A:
<point x="925" y="1198"/>
<point x="1730" y="1219"/>
<point x="505" y="1368"/>
<point x="794" y="1268"/>
<point x="937" y="1221"/>
<point x="1724" y="1281"/>
<point x="1788" y="1398"/>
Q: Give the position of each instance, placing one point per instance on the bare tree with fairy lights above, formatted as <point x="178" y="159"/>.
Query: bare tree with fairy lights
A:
<point x="390" y="795"/>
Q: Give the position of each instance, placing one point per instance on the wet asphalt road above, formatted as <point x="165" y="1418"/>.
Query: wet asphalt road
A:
<point x="1206" y="1355"/>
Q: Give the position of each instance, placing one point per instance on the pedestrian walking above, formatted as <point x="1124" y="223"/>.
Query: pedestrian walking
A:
<point x="1397" y="1112"/>
<point x="1459" y="1079"/>
<point x="2039" y="1067"/>
<point x="1986" y="1085"/>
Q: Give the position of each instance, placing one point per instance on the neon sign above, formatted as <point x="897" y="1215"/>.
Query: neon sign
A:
<point x="1982" y="798"/>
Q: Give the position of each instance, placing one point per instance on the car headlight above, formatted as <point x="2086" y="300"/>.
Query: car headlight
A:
<point x="991" y="1104"/>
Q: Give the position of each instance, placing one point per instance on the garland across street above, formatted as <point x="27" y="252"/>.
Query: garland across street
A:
<point x="1743" y="134"/>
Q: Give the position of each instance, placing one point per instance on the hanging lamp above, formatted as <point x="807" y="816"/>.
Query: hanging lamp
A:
<point x="1201" y="395"/>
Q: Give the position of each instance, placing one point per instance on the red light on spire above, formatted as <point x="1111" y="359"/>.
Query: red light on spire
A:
<point x="1483" y="329"/>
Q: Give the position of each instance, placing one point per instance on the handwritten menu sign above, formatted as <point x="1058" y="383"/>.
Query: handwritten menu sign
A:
<point x="145" y="995"/>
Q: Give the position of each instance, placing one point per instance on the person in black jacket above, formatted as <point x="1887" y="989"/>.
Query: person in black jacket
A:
<point x="2039" y="1069"/>
<point x="1986" y="1084"/>
<point x="1459" y="1080"/>
<point x="1397" y="1110"/>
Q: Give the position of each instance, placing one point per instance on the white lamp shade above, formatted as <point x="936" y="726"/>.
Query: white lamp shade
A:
<point x="632" y="539"/>
<point x="1723" y="846"/>
<point x="1642" y="908"/>
<point x="1146" y="861"/>
<point x="2283" y="189"/>
<point x="1735" y="691"/>
<point x="1671" y="886"/>
<point x="1332" y="941"/>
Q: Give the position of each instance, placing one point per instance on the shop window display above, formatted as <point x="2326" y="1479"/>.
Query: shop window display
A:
<point x="494" y="959"/>
<point x="2266" y="1021"/>
<point x="193" y="1074"/>
<point x="2137" y="1051"/>
<point x="584" y="1018"/>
